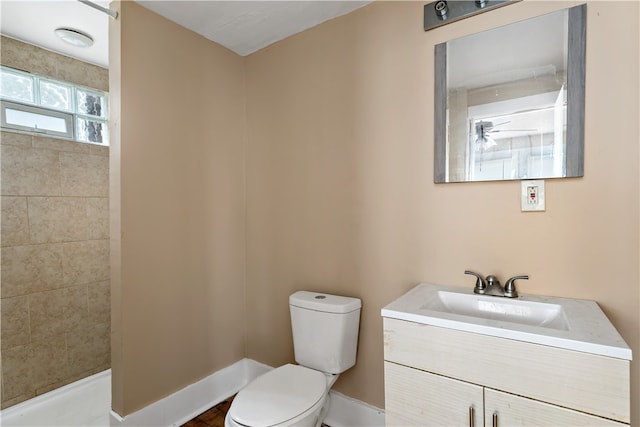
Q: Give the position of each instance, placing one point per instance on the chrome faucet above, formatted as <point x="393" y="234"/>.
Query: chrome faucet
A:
<point x="491" y="285"/>
<point x="481" y="284"/>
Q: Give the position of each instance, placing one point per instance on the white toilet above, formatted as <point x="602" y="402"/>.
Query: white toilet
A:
<point x="325" y="339"/>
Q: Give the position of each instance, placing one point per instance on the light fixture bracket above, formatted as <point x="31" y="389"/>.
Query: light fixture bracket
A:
<point x="444" y="12"/>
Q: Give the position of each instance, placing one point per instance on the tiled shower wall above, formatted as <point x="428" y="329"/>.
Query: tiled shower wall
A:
<point x="54" y="289"/>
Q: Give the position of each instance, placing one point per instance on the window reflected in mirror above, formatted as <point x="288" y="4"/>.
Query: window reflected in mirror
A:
<point x="510" y="108"/>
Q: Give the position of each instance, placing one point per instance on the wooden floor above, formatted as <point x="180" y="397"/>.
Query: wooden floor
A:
<point x="214" y="417"/>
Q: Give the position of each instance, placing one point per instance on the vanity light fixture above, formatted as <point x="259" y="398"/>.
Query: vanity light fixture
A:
<point x="441" y="12"/>
<point x="74" y="37"/>
<point x="441" y="9"/>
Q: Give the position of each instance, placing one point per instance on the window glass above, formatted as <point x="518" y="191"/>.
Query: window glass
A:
<point x="16" y="86"/>
<point x="32" y="103"/>
<point x="55" y="95"/>
<point x="90" y="103"/>
<point x="36" y="119"/>
<point x="90" y="130"/>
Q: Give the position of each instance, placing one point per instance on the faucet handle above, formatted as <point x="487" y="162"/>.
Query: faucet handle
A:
<point x="481" y="284"/>
<point x="510" y="286"/>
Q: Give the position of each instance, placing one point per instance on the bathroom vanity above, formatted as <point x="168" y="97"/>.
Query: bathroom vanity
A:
<point x="456" y="358"/>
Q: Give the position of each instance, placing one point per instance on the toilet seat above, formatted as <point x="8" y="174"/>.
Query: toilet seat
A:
<point x="278" y="396"/>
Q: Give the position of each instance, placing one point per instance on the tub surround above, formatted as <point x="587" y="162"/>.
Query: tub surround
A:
<point x="83" y="403"/>
<point x="27" y="57"/>
<point x="55" y="264"/>
<point x="55" y="287"/>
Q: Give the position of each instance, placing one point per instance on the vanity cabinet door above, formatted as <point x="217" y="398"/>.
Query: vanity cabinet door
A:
<point x="514" y="410"/>
<point x="418" y="398"/>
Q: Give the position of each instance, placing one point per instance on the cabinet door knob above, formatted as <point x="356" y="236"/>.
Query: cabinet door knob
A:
<point x="495" y="419"/>
<point x="472" y="421"/>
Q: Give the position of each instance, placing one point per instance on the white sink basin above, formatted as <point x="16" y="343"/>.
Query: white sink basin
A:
<point x="546" y="315"/>
<point x="572" y="324"/>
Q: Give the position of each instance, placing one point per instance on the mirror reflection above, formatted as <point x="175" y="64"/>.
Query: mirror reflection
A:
<point x="510" y="108"/>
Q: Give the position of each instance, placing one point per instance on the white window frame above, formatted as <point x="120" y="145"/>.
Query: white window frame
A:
<point x="67" y="117"/>
<point x="72" y="114"/>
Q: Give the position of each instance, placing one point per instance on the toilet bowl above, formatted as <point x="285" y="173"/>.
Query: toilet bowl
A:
<point x="291" y="395"/>
<point x="325" y="337"/>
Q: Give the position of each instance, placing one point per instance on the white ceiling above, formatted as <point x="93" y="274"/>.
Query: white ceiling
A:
<point x="35" y="21"/>
<point x="242" y="26"/>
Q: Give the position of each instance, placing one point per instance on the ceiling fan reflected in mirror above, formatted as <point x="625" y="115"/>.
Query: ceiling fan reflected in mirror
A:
<point x="484" y="129"/>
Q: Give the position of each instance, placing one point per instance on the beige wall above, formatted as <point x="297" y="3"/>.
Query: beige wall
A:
<point x="178" y="214"/>
<point x="55" y="247"/>
<point x="340" y="193"/>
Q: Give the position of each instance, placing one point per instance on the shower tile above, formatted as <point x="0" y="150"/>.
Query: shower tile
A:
<point x="15" y="222"/>
<point x="99" y="150"/>
<point x="25" y="56"/>
<point x="17" y="375"/>
<point x="99" y="302"/>
<point x="46" y="313"/>
<point x="15" y="321"/>
<point x="75" y="308"/>
<point x="65" y="381"/>
<point x="12" y="138"/>
<point x="88" y="349"/>
<point x="85" y="262"/>
<point x="102" y="345"/>
<point x="78" y="355"/>
<point x="19" y="399"/>
<point x="29" y="172"/>
<point x="28" y="269"/>
<point x="88" y="75"/>
<point x="98" y="218"/>
<point x="48" y="359"/>
<point x="53" y="272"/>
<point x="57" y="144"/>
<point x="84" y="175"/>
<point x="57" y="219"/>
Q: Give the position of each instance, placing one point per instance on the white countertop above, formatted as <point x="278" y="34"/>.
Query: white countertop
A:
<point x="589" y="330"/>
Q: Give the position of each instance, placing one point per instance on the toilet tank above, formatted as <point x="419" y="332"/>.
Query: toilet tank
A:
<point x="325" y="330"/>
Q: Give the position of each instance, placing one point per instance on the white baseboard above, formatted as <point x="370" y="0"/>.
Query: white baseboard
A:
<point x="183" y="405"/>
<point x="346" y="411"/>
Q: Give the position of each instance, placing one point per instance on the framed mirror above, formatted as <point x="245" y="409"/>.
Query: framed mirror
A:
<point x="509" y="102"/>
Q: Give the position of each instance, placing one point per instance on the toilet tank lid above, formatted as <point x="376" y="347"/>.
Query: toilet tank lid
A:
<point x="327" y="303"/>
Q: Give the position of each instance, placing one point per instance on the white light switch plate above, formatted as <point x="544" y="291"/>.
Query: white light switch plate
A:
<point x="532" y="195"/>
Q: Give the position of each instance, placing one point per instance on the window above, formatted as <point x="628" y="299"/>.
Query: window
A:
<point x="34" y="119"/>
<point x="31" y="103"/>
